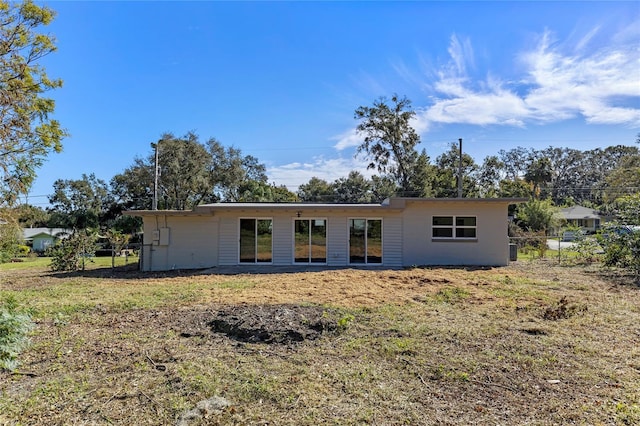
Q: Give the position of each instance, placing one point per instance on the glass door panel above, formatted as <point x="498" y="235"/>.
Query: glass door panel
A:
<point x="374" y="241"/>
<point x="248" y="240"/>
<point x="357" y="240"/>
<point x="301" y="241"/>
<point x="318" y="241"/>
<point x="264" y="240"/>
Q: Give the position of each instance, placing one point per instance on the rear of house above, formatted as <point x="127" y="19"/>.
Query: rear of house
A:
<point x="398" y="232"/>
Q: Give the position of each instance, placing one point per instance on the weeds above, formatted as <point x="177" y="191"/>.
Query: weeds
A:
<point x="15" y="324"/>
<point x="562" y="310"/>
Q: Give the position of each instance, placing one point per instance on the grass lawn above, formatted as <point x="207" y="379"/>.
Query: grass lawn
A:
<point x="532" y="343"/>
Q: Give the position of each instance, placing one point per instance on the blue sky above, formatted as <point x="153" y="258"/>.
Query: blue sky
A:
<point x="281" y="80"/>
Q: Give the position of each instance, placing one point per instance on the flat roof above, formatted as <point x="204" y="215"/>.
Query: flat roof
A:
<point x="395" y="203"/>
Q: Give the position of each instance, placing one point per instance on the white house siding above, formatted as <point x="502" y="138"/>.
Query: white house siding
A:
<point x="392" y="240"/>
<point x="282" y="239"/>
<point x="228" y="252"/>
<point x="337" y="240"/>
<point x="210" y="235"/>
<point x="491" y="247"/>
<point x="192" y="242"/>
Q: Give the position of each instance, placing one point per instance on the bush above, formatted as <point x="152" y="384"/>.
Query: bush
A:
<point x="622" y="250"/>
<point x="14" y="326"/>
<point x="70" y="253"/>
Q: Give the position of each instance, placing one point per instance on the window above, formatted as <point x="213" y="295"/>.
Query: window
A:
<point x="365" y="241"/>
<point x="310" y="241"/>
<point x="454" y="227"/>
<point x="256" y="240"/>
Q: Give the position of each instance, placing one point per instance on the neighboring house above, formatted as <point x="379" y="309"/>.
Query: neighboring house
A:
<point x="42" y="238"/>
<point x="582" y="217"/>
<point x="398" y="232"/>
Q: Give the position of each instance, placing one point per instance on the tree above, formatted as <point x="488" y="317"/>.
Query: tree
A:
<point x="27" y="133"/>
<point x="489" y="176"/>
<point x="625" y="179"/>
<point x="515" y="161"/>
<point x="389" y="139"/>
<point x="10" y="234"/>
<point x="183" y="166"/>
<point x="133" y="188"/>
<point x="382" y="187"/>
<point x="80" y="203"/>
<point x="538" y="173"/>
<point x="316" y="190"/>
<point x="446" y="174"/>
<point x="355" y="188"/>
<point x="230" y="171"/>
<point x="537" y="215"/>
<point x="422" y="176"/>
<point x="32" y="216"/>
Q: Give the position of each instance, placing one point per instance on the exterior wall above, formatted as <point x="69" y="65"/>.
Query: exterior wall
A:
<point x="490" y="248"/>
<point x="41" y="243"/>
<point x="191" y="241"/>
<point x="587" y="225"/>
<point x="283" y="222"/>
<point x="186" y="242"/>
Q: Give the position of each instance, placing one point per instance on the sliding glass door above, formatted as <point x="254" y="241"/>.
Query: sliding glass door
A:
<point x="365" y="241"/>
<point x="310" y="241"/>
<point x="256" y="242"/>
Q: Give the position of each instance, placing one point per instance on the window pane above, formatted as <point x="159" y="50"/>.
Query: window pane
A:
<point x="465" y="221"/>
<point x="318" y="241"/>
<point x="442" y="232"/>
<point x="443" y="220"/>
<point x="301" y="235"/>
<point x="465" y="232"/>
<point x="356" y="240"/>
<point x="247" y="240"/>
<point x="264" y="239"/>
<point x="374" y="241"/>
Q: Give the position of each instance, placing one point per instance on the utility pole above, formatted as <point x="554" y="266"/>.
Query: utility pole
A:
<point x="154" y="206"/>
<point x="460" y="170"/>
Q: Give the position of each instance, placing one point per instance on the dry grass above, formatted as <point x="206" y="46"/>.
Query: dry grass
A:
<point x="527" y="344"/>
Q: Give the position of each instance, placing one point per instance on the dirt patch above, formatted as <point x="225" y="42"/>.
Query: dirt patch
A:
<point x="273" y="323"/>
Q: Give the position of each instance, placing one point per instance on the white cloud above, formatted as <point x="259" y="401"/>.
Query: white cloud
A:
<point x="557" y="86"/>
<point x="348" y="139"/>
<point x="294" y="174"/>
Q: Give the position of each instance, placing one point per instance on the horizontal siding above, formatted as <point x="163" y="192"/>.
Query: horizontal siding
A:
<point x="282" y="240"/>
<point x="337" y="241"/>
<point x="228" y="241"/>
<point x="392" y="241"/>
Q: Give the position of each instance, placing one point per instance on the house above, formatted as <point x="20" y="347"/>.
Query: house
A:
<point x="582" y="217"/>
<point x="397" y="232"/>
<point x="42" y="238"/>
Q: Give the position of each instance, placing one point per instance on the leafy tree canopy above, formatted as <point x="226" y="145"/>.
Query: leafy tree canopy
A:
<point x="27" y="132"/>
<point x="389" y="138"/>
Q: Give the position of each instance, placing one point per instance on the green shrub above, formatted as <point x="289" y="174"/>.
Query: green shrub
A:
<point x="623" y="250"/>
<point x="15" y="324"/>
<point x="70" y="253"/>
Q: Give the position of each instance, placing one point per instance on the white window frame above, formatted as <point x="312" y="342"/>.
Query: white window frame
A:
<point x="453" y="228"/>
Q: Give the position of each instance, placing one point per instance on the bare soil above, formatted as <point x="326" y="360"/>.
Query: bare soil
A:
<point x="532" y="343"/>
